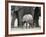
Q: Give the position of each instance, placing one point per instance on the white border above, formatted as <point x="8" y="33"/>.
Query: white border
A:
<point x="24" y="31"/>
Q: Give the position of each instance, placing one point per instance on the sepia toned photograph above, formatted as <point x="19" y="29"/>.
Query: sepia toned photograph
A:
<point x="25" y="18"/>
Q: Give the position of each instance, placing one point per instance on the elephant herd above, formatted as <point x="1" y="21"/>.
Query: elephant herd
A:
<point x="25" y="14"/>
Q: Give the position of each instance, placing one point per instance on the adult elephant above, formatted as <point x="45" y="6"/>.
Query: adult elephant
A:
<point x="24" y="11"/>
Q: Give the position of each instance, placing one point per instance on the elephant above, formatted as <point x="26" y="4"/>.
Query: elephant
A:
<point x="24" y="11"/>
<point x="28" y="19"/>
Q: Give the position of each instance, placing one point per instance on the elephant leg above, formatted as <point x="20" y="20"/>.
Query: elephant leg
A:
<point x="20" y="22"/>
<point x="29" y="25"/>
<point x="37" y="24"/>
<point x="23" y="24"/>
<point x="12" y="22"/>
<point x="32" y="25"/>
<point x="26" y="25"/>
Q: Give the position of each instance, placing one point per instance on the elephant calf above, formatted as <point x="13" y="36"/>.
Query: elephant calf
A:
<point x="28" y="19"/>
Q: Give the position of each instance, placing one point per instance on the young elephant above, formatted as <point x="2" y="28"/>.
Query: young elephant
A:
<point x="28" y="19"/>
